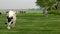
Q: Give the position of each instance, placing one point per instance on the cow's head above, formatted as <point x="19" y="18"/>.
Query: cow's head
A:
<point x="10" y="15"/>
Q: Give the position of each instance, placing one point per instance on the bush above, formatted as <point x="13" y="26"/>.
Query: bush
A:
<point x="56" y="12"/>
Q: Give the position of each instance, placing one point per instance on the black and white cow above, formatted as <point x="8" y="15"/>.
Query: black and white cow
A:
<point x="11" y="19"/>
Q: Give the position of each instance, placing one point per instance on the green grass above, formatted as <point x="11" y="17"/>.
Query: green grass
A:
<point x="32" y="23"/>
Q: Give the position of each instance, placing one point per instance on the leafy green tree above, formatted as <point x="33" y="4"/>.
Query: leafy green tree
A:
<point x="45" y="4"/>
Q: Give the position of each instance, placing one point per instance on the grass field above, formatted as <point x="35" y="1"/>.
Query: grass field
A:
<point x="32" y="23"/>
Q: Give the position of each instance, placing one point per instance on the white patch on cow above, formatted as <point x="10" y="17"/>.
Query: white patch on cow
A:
<point x="11" y="13"/>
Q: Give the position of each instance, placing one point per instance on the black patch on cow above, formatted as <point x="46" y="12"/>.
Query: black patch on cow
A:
<point x="9" y="18"/>
<point x="11" y="22"/>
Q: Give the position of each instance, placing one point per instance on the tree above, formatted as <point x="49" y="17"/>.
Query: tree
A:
<point x="56" y="6"/>
<point x="45" y="4"/>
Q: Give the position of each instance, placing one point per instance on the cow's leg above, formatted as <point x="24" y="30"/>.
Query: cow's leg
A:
<point x="8" y="25"/>
<point x="14" y="20"/>
<point x="13" y="24"/>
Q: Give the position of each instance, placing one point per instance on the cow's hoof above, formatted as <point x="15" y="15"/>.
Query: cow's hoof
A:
<point x="8" y="28"/>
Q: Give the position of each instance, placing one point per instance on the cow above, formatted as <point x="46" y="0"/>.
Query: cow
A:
<point x="11" y="19"/>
